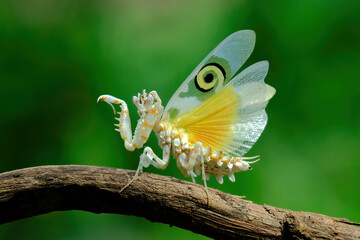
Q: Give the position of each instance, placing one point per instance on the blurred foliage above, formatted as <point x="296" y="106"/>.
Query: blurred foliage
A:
<point x="57" y="57"/>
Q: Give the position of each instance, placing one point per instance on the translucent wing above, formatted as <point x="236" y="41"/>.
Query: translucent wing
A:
<point x="227" y="57"/>
<point x="233" y="118"/>
<point x="253" y="94"/>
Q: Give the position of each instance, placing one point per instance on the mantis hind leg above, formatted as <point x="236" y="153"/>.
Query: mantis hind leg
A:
<point x="198" y="153"/>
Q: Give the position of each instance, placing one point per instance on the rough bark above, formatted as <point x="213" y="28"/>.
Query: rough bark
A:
<point x="38" y="190"/>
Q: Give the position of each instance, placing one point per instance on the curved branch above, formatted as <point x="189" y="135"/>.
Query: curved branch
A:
<point x="38" y="190"/>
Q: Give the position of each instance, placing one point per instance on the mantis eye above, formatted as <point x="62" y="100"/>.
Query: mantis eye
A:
<point x="208" y="76"/>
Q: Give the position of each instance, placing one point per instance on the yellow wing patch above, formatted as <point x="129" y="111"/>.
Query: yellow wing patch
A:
<point x="212" y="122"/>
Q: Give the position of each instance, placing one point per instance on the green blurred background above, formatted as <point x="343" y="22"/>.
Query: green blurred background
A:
<point x="57" y="57"/>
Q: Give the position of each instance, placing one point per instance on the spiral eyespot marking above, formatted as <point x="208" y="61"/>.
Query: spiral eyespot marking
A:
<point x="210" y="75"/>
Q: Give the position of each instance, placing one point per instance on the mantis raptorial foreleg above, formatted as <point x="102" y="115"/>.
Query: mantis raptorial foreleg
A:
<point x="149" y="109"/>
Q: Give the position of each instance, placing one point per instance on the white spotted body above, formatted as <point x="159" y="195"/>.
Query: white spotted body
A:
<point x="216" y="163"/>
<point x="211" y="121"/>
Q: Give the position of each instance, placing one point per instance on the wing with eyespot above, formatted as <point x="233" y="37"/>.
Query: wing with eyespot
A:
<point x="230" y="55"/>
<point x="234" y="117"/>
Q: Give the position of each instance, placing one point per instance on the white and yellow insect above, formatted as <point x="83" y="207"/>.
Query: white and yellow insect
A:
<point x="211" y="121"/>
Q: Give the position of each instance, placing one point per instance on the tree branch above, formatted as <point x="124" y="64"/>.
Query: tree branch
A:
<point x="38" y="190"/>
